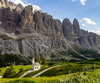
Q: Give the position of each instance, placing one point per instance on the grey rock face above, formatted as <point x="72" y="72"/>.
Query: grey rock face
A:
<point x="68" y="29"/>
<point x="75" y="34"/>
<point x="26" y="17"/>
<point x="6" y="4"/>
<point x="10" y="19"/>
<point x="20" y="6"/>
<point x="45" y="24"/>
<point x="9" y="46"/>
<point x="76" y="27"/>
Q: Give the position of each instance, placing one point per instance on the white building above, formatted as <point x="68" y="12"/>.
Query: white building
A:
<point x="35" y="66"/>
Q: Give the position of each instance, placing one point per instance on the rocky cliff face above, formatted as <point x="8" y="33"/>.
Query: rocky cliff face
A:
<point x="39" y="35"/>
<point x="6" y="4"/>
<point x="72" y="32"/>
<point x="68" y="29"/>
<point x="76" y="27"/>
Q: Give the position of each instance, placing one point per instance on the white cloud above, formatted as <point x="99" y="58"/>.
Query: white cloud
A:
<point x="83" y="2"/>
<point x="83" y="24"/>
<point x="35" y="7"/>
<point x="97" y="31"/>
<point x="17" y="2"/>
<point x="88" y="21"/>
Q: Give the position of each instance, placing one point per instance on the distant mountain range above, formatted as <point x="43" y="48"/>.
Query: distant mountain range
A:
<point x="39" y="35"/>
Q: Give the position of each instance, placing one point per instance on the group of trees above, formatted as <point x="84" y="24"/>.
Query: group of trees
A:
<point x="10" y="73"/>
<point x="41" y="61"/>
<point x="8" y="59"/>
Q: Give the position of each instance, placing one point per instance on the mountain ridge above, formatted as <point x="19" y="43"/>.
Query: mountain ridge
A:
<point x="38" y="34"/>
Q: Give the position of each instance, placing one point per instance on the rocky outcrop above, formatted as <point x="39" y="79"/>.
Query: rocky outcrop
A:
<point x="72" y="32"/>
<point x="26" y="17"/>
<point x="45" y="24"/>
<point x="20" y="6"/>
<point x="68" y="29"/>
<point x="10" y="15"/>
<point x="76" y="27"/>
<point x="10" y="19"/>
<point x="6" y="4"/>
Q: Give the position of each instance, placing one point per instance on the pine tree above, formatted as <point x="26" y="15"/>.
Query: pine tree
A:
<point x="9" y="73"/>
<point x="6" y="74"/>
<point x="44" y="62"/>
<point x="38" y="60"/>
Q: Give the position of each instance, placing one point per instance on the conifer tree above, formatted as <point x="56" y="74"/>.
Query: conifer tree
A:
<point x="44" y="62"/>
<point x="38" y="60"/>
<point x="9" y="73"/>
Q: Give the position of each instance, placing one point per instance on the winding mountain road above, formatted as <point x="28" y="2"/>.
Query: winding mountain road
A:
<point x="39" y="72"/>
<point x="46" y="70"/>
<point x="29" y="71"/>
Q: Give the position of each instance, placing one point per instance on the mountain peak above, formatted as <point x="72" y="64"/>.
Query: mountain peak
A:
<point x="76" y="27"/>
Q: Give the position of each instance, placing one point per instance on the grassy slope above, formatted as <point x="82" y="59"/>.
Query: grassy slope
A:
<point x="70" y="68"/>
<point x="74" y="67"/>
<point x="17" y="67"/>
<point x="25" y="68"/>
<point x="92" y="76"/>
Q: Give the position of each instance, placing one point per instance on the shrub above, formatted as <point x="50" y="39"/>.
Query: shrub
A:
<point x="20" y="70"/>
<point x="9" y="73"/>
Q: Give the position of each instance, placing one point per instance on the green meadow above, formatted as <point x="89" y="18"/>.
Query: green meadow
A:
<point x="17" y="67"/>
<point x="79" y="72"/>
<point x="91" y="76"/>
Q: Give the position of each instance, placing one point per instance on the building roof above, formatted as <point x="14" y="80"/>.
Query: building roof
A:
<point x="36" y="64"/>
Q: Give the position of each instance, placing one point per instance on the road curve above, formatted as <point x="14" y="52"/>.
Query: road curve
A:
<point x="29" y="71"/>
<point x="45" y="70"/>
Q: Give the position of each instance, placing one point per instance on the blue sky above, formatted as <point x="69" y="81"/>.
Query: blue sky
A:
<point x="86" y="11"/>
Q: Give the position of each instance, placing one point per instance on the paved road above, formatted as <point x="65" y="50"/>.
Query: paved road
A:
<point x="39" y="72"/>
<point x="29" y="71"/>
<point x="45" y="70"/>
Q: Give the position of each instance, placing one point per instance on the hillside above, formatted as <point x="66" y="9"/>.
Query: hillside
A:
<point x="87" y="77"/>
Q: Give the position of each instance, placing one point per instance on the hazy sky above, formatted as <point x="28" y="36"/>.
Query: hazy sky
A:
<point x="86" y="11"/>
